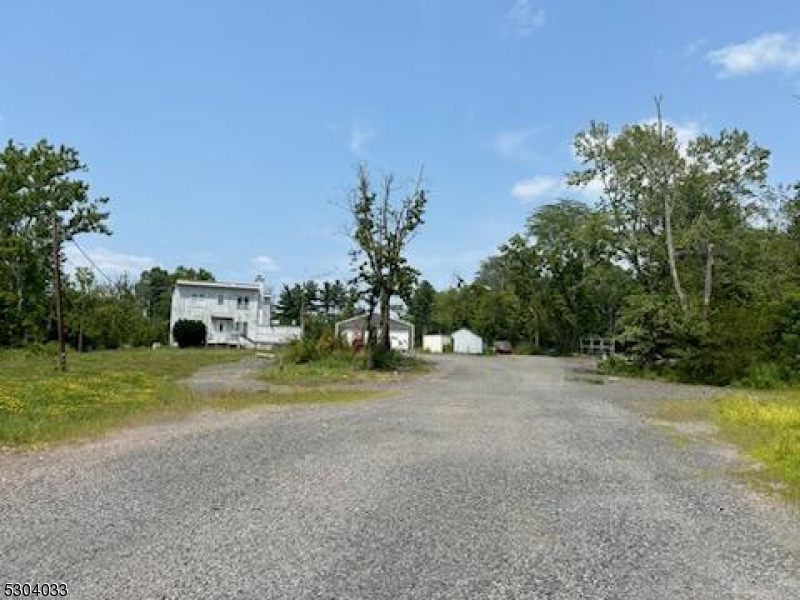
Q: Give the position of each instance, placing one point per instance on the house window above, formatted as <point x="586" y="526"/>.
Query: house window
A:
<point x="246" y="302"/>
<point x="221" y="327"/>
<point x="219" y="299"/>
<point x="239" y="302"/>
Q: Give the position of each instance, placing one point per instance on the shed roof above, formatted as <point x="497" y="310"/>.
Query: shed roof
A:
<point x="376" y="319"/>
<point x="465" y="331"/>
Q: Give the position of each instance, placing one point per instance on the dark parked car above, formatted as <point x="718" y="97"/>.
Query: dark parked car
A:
<point x="503" y="347"/>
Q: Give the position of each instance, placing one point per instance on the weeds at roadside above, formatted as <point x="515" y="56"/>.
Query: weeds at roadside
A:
<point x="765" y="425"/>
<point x="308" y="364"/>
<point x="107" y="389"/>
<point x="100" y="390"/>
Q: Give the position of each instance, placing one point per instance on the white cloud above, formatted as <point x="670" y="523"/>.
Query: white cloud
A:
<point x="265" y="263"/>
<point x="525" y="16"/>
<point x="592" y="191"/>
<point x="515" y="143"/>
<point x="771" y="51"/>
<point x="536" y="187"/>
<point x="685" y="132"/>
<point x="695" y="47"/>
<point x="551" y="188"/>
<point x="112" y="264"/>
<point x="360" y="136"/>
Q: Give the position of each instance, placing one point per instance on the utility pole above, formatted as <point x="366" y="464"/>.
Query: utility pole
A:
<point x="62" y="351"/>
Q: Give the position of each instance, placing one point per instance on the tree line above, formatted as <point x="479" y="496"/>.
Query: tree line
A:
<point x="690" y="260"/>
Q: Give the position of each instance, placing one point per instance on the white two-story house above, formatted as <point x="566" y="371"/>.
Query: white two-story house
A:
<point x="235" y="314"/>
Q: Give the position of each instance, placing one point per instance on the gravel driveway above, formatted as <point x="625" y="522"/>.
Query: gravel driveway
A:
<point x="239" y="376"/>
<point x="510" y="477"/>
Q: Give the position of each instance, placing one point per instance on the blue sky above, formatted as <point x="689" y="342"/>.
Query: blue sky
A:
<point x="226" y="133"/>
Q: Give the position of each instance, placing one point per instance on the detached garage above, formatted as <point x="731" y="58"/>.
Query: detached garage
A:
<point x="466" y="342"/>
<point x="401" y="333"/>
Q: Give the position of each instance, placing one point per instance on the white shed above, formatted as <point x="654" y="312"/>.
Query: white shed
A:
<point x="436" y="342"/>
<point x="466" y="342"/>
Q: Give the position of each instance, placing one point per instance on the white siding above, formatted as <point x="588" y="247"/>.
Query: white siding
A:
<point x="466" y="342"/>
<point x="401" y="333"/>
<point x="435" y="343"/>
<point x="229" y="311"/>
<point x="399" y="340"/>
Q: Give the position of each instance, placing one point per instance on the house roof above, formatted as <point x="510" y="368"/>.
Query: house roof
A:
<point x="375" y="321"/>
<point x="253" y="287"/>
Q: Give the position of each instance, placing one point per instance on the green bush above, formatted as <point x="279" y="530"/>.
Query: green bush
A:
<point x="328" y="343"/>
<point x="188" y="333"/>
<point x="38" y="349"/>
<point x="767" y="375"/>
<point x="301" y="351"/>
<point x="528" y="349"/>
<point x="615" y="365"/>
<point x="383" y="359"/>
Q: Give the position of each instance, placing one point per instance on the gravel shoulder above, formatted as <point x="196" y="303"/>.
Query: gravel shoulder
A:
<point x="507" y="477"/>
<point x="240" y="376"/>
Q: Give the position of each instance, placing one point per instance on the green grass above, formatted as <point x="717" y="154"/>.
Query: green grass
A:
<point x="766" y="426"/>
<point x="106" y="389"/>
<point x="337" y="368"/>
<point x="293" y="396"/>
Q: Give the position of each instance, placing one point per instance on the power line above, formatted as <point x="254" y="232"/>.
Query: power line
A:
<point x="89" y="258"/>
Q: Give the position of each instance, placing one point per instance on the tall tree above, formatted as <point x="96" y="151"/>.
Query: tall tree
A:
<point x="39" y="187"/>
<point x="672" y="207"/>
<point x="420" y="307"/>
<point x="381" y="230"/>
<point x="192" y="274"/>
<point x="290" y="303"/>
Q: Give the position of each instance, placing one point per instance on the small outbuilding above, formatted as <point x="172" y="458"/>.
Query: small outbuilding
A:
<point x="435" y="343"/>
<point x="401" y="333"/>
<point x="467" y="342"/>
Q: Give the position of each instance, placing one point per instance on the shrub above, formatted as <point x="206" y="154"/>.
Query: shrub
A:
<point x="188" y="333"/>
<point x="766" y="375"/>
<point x="328" y="343"/>
<point x="383" y="359"/>
<point x="301" y="351"/>
<point x="614" y="365"/>
<point x="528" y="349"/>
<point x="38" y="349"/>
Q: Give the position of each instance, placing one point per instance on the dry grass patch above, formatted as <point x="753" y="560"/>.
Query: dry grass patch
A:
<point x="765" y="425"/>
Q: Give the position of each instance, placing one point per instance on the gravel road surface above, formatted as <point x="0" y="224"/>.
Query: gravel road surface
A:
<point x="508" y="477"/>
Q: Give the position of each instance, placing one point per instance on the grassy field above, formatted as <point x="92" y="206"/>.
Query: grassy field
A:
<point x="766" y="426"/>
<point x="107" y="389"/>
